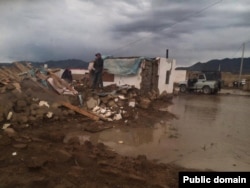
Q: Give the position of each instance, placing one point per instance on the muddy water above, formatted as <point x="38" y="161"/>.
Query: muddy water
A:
<point x="211" y="132"/>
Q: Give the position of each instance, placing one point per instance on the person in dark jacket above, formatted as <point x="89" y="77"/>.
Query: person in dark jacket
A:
<point x="98" y="67"/>
<point x="67" y="75"/>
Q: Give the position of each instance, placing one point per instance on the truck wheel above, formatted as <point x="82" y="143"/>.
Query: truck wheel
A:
<point x="206" y="90"/>
<point x="183" y="88"/>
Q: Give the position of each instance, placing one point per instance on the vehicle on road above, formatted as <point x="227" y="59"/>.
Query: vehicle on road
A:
<point x="205" y="82"/>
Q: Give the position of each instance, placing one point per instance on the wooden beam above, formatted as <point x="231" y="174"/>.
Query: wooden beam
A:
<point x="80" y="111"/>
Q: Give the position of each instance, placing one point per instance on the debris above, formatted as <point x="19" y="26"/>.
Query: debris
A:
<point x="9" y="116"/>
<point x="80" y="111"/>
<point x="117" y="117"/>
<point x="6" y="125"/>
<point x="10" y="132"/>
<point x="43" y="103"/>
<point x="131" y="103"/>
<point x="49" y="114"/>
<point x="92" y="102"/>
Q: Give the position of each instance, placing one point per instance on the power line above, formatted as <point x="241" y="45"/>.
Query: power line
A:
<point x="182" y="20"/>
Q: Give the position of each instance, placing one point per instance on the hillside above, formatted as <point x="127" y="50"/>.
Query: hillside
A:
<point x="225" y="65"/>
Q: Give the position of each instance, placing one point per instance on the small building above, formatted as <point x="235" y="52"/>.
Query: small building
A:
<point x="146" y="74"/>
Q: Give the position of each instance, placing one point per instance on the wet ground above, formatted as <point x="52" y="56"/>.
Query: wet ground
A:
<point x="211" y="132"/>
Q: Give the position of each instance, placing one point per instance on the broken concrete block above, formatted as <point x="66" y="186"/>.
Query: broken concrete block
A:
<point x="121" y="97"/>
<point x="44" y="103"/>
<point x="131" y="103"/>
<point x="108" y="114"/>
<point x="9" y="116"/>
<point x="92" y="102"/>
<point x="6" y="125"/>
<point x="117" y="117"/>
<point x="112" y="104"/>
<point x="96" y="108"/>
<point x="103" y="110"/>
<point x="49" y="115"/>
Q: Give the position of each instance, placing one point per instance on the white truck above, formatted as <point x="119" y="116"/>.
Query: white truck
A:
<point x="200" y="84"/>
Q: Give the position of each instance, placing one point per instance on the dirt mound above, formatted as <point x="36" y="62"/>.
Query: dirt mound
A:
<point x="41" y="158"/>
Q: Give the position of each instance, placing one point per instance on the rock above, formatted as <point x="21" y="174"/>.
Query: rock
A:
<point x="35" y="163"/>
<point x="41" y="111"/>
<point x="49" y="115"/>
<point x="55" y="105"/>
<point x="117" y="117"/>
<point x="44" y="103"/>
<point x="92" y="102"/>
<point x="10" y="87"/>
<point x="62" y="156"/>
<point x="20" y="106"/>
<point x="96" y="108"/>
<point x="131" y="103"/>
<point x="20" y="146"/>
<point x="103" y="110"/>
<point x="10" y="132"/>
<point x="34" y="106"/>
<point x="6" y="125"/>
<point x="144" y="103"/>
<point x="9" y="116"/>
<point x="121" y="97"/>
<point x="112" y="104"/>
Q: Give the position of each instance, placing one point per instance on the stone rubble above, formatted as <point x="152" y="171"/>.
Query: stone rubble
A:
<point x="25" y="101"/>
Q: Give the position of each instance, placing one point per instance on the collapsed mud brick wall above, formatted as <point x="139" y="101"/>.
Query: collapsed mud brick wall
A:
<point x="150" y="76"/>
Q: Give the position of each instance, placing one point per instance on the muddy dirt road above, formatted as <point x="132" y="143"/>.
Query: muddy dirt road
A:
<point x="211" y="132"/>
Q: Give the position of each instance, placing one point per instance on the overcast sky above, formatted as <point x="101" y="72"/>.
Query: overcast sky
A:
<point x="192" y="30"/>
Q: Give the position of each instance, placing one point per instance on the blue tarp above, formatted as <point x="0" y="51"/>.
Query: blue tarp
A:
<point x="122" y="66"/>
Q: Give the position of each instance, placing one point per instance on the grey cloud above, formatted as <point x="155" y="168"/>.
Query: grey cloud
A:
<point x="61" y="29"/>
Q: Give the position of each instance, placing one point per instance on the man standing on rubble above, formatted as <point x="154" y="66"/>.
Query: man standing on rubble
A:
<point x="98" y="66"/>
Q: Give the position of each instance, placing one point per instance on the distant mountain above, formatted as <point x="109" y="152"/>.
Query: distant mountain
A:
<point x="225" y="65"/>
<point x="70" y="63"/>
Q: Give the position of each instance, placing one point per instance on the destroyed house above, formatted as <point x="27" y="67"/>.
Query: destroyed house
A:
<point x="146" y="74"/>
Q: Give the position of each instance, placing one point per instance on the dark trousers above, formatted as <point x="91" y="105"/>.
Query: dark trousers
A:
<point x="97" y="80"/>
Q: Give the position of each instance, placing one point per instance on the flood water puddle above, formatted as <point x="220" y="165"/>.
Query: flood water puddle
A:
<point x="211" y="132"/>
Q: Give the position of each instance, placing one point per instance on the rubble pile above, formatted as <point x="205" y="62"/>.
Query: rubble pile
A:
<point x="122" y="103"/>
<point x="25" y="101"/>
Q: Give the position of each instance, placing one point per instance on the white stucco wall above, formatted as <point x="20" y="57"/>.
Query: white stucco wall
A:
<point x="129" y="80"/>
<point x="164" y="66"/>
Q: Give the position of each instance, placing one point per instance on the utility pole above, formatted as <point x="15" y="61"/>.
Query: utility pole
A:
<point x="241" y="64"/>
